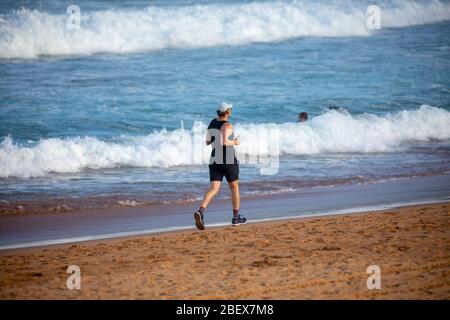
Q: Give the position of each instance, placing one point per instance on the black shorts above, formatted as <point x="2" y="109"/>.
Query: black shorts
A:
<point x="217" y="171"/>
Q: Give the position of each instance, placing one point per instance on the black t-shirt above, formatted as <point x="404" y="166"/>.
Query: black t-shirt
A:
<point x="227" y="150"/>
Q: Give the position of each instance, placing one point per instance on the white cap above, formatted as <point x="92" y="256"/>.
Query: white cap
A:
<point x="224" y="107"/>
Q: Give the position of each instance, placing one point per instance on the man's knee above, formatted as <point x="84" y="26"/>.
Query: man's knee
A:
<point x="234" y="186"/>
<point x="215" y="187"/>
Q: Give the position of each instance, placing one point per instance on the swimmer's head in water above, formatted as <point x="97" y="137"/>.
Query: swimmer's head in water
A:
<point x="224" y="109"/>
<point x="303" y="116"/>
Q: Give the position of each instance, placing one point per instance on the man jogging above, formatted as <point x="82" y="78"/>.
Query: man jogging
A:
<point x="223" y="162"/>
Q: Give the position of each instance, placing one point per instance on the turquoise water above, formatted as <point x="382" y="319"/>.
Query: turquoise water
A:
<point x="106" y="112"/>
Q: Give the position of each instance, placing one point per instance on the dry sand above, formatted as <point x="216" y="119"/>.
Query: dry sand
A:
<point x="315" y="258"/>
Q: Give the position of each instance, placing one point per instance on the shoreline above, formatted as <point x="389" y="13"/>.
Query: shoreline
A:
<point x="311" y="258"/>
<point x="64" y="205"/>
<point x="175" y="230"/>
<point x="217" y="227"/>
<point x="33" y="230"/>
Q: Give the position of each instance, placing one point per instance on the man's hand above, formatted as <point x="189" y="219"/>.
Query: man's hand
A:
<point x="236" y="141"/>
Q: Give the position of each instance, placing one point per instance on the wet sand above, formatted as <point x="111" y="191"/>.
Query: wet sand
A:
<point x="23" y="231"/>
<point x="311" y="258"/>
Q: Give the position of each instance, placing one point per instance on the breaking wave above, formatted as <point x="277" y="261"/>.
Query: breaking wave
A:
<point x="29" y="33"/>
<point x="331" y="132"/>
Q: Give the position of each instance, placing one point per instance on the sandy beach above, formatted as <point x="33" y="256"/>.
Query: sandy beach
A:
<point x="311" y="258"/>
<point x="327" y="124"/>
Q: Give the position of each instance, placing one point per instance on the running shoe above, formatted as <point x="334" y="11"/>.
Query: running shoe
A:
<point x="238" y="220"/>
<point x="199" y="223"/>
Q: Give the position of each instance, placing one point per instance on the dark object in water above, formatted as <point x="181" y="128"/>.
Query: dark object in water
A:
<point x="302" y="117"/>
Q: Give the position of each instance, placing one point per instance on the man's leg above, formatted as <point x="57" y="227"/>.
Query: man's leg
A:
<point x="216" y="177"/>
<point x="236" y="202"/>
<point x="235" y="197"/>
<point x="214" y="188"/>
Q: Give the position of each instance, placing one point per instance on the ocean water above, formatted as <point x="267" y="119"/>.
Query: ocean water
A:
<point x="107" y="114"/>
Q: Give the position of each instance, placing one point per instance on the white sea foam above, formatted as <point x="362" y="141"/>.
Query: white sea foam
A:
<point x="31" y="33"/>
<point x="331" y="132"/>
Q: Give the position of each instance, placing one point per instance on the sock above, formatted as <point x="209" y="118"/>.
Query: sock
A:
<point x="202" y="210"/>
<point x="235" y="213"/>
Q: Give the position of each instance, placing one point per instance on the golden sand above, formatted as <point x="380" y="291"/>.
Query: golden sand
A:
<point x="314" y="258"/>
